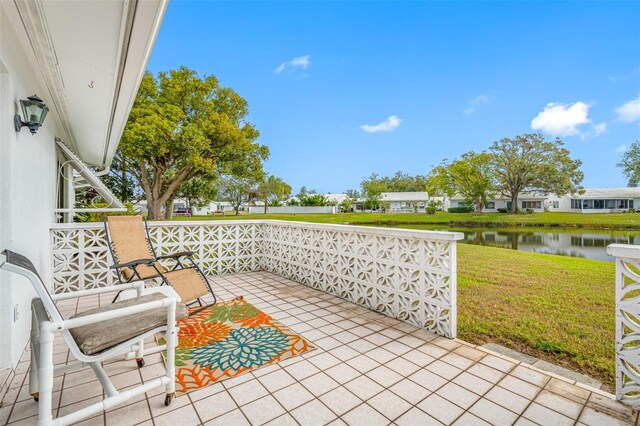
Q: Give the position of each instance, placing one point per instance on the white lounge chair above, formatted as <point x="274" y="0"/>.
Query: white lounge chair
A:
<point x="94" y="336"/>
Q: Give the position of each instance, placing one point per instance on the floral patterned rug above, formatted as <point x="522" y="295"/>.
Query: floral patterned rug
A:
<point x="229" y="339"/>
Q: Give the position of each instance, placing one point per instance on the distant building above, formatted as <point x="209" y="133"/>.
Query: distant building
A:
<point x="593" y="200"/>
<point x="405" y="202"/>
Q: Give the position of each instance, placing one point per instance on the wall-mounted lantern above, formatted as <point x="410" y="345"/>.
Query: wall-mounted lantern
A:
<point x="34" y="112"/>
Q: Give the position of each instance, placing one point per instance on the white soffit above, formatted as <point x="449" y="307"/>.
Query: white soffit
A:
<point x="92" y="55"/>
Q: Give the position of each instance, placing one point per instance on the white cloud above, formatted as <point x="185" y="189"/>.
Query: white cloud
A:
<point x="630" y="111"/>
<point x="563" y="119"/>
<point x="474" y="103"/>
<point x="302" y="62"/>
<point x="621" y="149"/>
<point x="388" y="125"/>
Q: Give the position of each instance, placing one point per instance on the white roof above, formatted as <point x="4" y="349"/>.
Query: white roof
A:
<point x="338" y="198"/>
<point x="405" y="196"/>
<point x="610" y="193"/>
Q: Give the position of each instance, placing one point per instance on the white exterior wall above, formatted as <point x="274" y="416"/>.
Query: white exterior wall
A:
<point x="293" y="210"/>
<point x="27" y="183"/>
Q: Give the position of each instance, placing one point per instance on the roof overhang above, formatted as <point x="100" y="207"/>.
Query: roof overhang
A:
<point x="92" y="55"/>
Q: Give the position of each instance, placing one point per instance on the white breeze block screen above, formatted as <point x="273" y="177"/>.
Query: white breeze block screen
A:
<point x="405" y="274"/>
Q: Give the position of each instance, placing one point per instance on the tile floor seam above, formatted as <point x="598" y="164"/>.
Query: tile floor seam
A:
<point x="15" y="402"/>
<point x="531" y="402"/>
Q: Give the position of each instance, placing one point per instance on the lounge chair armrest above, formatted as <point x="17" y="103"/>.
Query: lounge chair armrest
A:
<point x="133" y="263"/>
<point x="169" y="302"/>
<point x="95" y="291"/>
<point x="177" y="255"/>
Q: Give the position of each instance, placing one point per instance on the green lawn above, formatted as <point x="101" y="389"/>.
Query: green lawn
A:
<point x="555" y="307"/>
<point x="566" y="220"/>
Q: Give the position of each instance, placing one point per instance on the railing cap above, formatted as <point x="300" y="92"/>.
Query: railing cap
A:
<point x="371" y="230"/>
<point x="624" y="250"/>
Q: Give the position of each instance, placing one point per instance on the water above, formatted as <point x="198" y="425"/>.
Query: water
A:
<point x="578" y="243"/>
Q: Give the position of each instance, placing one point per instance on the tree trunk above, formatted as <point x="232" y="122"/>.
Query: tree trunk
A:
<point x="168" y="210"/>
<point x="153" y="209"/>
<point x="514" y="203"/>
<point x="266" y="205"/>
<point x="479" y="206"/>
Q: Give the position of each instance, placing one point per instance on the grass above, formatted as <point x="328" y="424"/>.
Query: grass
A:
<point x="553" y="307"/>
<point x="547" y="219"/>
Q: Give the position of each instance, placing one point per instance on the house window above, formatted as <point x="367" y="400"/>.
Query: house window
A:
<point x="509" y="204"/>
<point x="555" y="204"/>
<point x="598" y="204"/>
<point x="576" y="204"/>
<point x="532" y="204"/>
<point x="490" y="205"/>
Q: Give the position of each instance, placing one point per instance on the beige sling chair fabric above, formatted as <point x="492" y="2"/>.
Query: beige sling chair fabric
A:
<point x="129" y="241"/>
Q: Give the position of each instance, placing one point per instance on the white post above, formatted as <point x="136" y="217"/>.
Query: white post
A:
<point x="45" y="375"/>
<point x="171" y="347"/>
<point x="35" y="350"/>
<point x="627" y="328"/>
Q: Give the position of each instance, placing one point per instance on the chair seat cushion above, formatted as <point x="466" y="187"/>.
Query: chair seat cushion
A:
<point x="94" y="338"/>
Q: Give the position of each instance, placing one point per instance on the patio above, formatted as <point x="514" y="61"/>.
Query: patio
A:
<point x="368" y="369"/>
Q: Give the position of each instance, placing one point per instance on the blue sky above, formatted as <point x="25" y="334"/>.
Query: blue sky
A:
<point x="339" y="90"/>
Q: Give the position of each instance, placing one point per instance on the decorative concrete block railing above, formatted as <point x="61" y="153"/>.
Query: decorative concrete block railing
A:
<point x="81" y="258"/>
<point x="627" y="322"/>
<point x="409" y="275"/>
<point x="405" y="274"/>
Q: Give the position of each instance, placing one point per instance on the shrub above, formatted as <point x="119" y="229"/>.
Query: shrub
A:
<point x="525" y="211"/>
<point x="503" y="210"/>
<point x="430" y="210"/>
<point x="465" y="209"/>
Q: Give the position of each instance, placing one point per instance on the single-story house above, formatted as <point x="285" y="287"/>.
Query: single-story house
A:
<point x="408" y="202"/>
<point x="593" y="200"/>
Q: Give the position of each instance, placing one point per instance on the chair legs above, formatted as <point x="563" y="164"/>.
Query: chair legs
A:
<point x="45" y="376"/>
<point x="171" y="354"/>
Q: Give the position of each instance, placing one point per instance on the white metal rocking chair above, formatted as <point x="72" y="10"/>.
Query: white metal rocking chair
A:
<point x="151" y="314"/>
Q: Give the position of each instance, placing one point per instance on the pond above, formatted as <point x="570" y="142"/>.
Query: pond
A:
<point x="588" y="244"/>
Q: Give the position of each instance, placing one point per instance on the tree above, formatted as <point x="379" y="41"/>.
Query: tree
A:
<point x="471" y="176"/>
<point x="304" y="192"/>
<point x="313" y="199"/>
<point x="630" y="164"/>
<point x="346" y="205"/>
<point x="120" y="179"/>
<point x="198" y="192"/>
<point x="530" y="163"/>
<point x="273" y="190"/>
<point x="236" y="191"/>
<point x="403" y="182"/>
<point x="372" y="189"/>
<point x="352" y="193"/>
<point x="183" y="126"/>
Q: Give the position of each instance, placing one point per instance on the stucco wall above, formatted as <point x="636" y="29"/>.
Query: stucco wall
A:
<point x="27" y="182"/>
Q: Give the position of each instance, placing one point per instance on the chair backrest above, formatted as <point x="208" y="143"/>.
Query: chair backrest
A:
<point x="21" y="265"/>
<point x="129" y="241"/>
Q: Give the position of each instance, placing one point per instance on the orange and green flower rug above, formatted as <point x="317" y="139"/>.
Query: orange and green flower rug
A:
<point x="229" y="339"/>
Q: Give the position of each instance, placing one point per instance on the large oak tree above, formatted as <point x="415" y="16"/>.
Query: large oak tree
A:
<point x="184" y="126"/>
<point x="529" y="163"/>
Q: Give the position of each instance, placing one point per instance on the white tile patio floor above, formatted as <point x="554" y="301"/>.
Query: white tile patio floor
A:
<point x="368" y="370"/>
